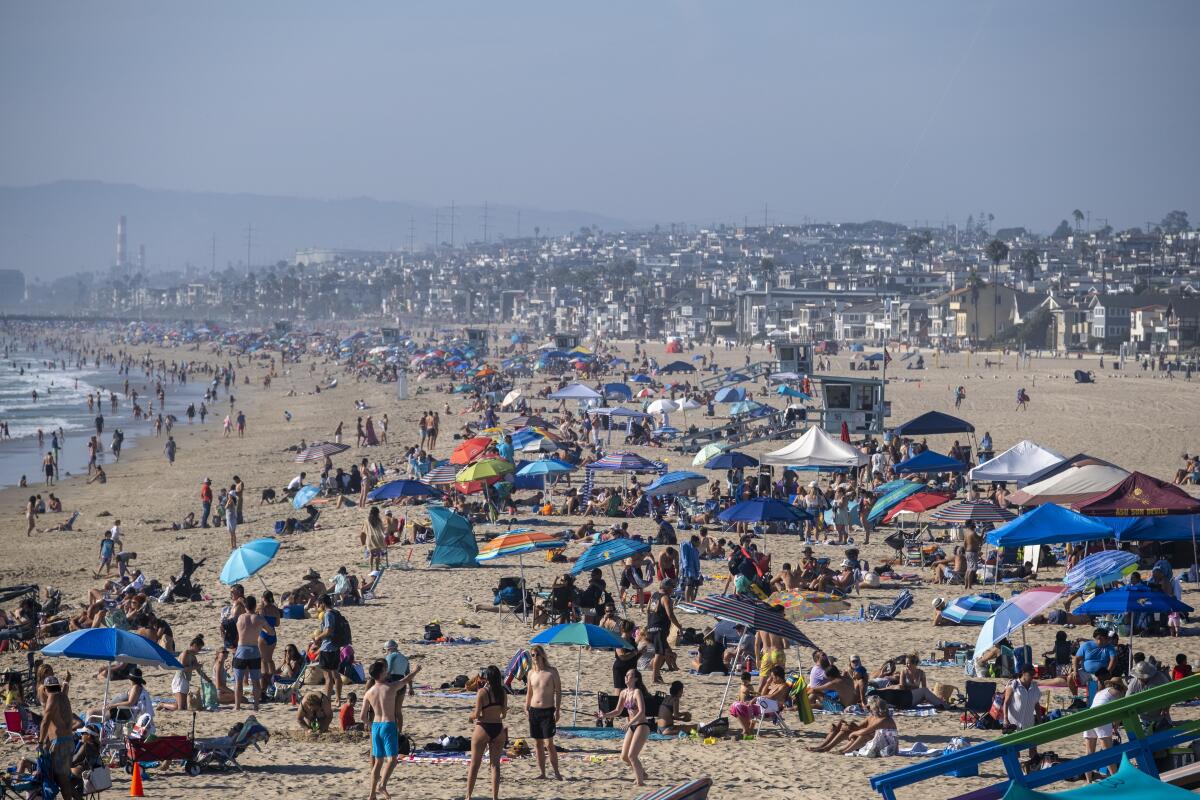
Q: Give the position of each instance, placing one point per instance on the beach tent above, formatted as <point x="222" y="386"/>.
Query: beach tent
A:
<point x="816" y="449"/>
<point x="1048" y="524"/>
<point x="1017" y="464"/>
<point x="1139" y="495"/>
<point x="576" y="391"/>
<point x="730" y="394"/>
<point x="677" y="366"/>
<point x="618" y="391"/>
<point x="454" y="544"/>
<point x="1075" y="479"/>
<point x="928" y="461"/>
<point x="932" y="423"/>
<point x="1153" y="529"/>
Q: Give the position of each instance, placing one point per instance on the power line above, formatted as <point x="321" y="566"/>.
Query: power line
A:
<point x="485" y="222"/>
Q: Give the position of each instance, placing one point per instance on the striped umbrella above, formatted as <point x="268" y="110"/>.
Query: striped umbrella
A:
<point x="318" y="451"/>
<point x="973" y="511"/>
<point x="440" y="476"/>
<point x="974" y="609"/>
<point x="1014" y="613"/>
<point x="680" y="482"/>
<point x="751" y="613"/>
<point x="1100" y="569"/>
<point x="808" y="605"/>
<point x="515" y="543"/>
<point x="629" y="462"/>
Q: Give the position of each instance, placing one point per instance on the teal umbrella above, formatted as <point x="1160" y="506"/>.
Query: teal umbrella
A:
<point x="304" y="496"/>
<point x="580" y="635"/>
<point x="248" y="559"/>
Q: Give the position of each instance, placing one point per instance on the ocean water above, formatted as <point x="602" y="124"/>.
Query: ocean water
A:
<point x="62" y="403"/>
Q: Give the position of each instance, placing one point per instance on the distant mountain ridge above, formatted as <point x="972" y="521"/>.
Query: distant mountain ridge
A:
<point x="56" y="228"/>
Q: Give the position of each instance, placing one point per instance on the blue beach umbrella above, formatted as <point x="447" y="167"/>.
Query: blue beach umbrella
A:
<point x="608" y="552"/>
<point x="680" y="482"/>
<point x="110" y="645"/>
<point x="640" y="378"/>
<point x="763" y="509"/>
<point x="580" y="635"/>
<point x="788" y="391"/>
<point x="731" y="460"/>
<point x="402" y="488"/>
<point x="974" y="609"/>
<point x="305" y="496"/>
<point x="248" y="559"/>
<point x="1105" y="567"/>
<point x="1133" y="599"/>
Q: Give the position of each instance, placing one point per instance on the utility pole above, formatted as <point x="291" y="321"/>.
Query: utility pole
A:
<point x="437" y="230"/>
<point x="452" y="213"/>
<point x="485" y="222"/>
<point x="766" y="212"/>
<point x="249" y="243"/>
<point x="412" y="235"/>
<point x="518" y="223"/>
<point x="213" y="268"/>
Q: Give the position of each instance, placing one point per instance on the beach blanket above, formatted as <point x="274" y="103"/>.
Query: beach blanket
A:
<point x="604" y="733"/>
<point x="859" y="711"/>
<point x="920" y="750"/>
<point x="444" y="693"/>
<point x="928" y="663"/>
<point x="453" y="641"/>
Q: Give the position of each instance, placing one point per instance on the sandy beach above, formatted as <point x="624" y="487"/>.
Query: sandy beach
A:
<point x="1127" y="417"/>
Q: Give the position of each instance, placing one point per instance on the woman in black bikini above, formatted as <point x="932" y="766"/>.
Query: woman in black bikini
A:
<point x="632" y="701"/>
<point x="489" y="732"/>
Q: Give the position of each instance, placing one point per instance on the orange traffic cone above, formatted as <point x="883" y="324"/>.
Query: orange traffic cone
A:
<point x="135" y="786"/>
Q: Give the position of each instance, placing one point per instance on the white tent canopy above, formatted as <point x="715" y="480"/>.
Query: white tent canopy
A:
<point x="1073" y="483"/>
<point x="1017" y="464"/>
<point x="576" y="391"/>
<point x="816" y="449"/>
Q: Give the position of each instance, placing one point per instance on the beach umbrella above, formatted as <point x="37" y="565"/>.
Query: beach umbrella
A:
<point x="680" y="482"/>
<point x="918" y="503"/>
<point x="248" y="559"/>
<point x="610" y="552"/>
<point x="710" y="451"/>
<point x="744" y="407"/>
<point x="304" y="496"/>
<point x="319" y="451"/>
<point x="482" y="470"/>
<point x="973" y="511"/>
<point x="640" y="378"/>
<point x="110" y="645"/>
<point x="580" y="635"/>
<point x="403" y="488"/>
<point x="688" y="403"/>
<point x="1133" y="599"/>
<point x="471" y="449"/>
<point x="754" y="615"/>
<point x="1014" y="613"/>
<point x="973" y="609"/>
<point x="518" y="543"/>
<point x="643" y="394"/>
<point x="511" y="398"/>
<point x="731" y="460"/>
<point x="788" y="391"/>
<point x="730" y="394"/>
<point x="763" y="509"/>
<point x="441" y="475"/>
<point x="546" y="466"/>
<point x="1100" y="569"/>
<point x="662" y="406"/>
<point x="808" y="605"/>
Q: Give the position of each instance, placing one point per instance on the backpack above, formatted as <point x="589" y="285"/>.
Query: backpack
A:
<point x="433" y="632"/>
<point x="341" y="630"/>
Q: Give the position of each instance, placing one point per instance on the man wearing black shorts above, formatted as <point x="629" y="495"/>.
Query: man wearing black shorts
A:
<point x="328" y="656"/>
<point x="543" y="699"/>
<point x="247" y="659"/>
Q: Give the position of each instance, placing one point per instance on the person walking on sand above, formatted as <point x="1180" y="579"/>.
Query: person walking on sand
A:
<point x="231" y="515"/>
<point x="31" y="514"/>
<point x="543" y="703"/>
<point x="489" y="732"/>
<point x="380" y="698"/>
<point x="169" y="448"/>
<point x="48" y="468"/>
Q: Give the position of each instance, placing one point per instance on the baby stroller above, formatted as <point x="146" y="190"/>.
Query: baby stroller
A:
<point x="223" y="751"/>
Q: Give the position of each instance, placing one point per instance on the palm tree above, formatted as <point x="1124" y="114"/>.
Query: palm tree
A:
<point x="1078" y="215"/>
<point x="975" y="284"/>
<point x="996" y="251"/>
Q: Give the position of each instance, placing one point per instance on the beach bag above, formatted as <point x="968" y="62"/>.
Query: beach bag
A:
<point x="718" y="728"/>
<point x="96" y="780"/>
<point x="433" y="632"/>
<point x="209" y="697"/>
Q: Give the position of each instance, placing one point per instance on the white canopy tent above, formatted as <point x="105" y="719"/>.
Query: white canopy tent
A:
<point x="1072" y="484"/>
<point x="1017" y="464"/>
<point x="816" y="449"/>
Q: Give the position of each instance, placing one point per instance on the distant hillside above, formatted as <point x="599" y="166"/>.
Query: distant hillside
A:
<point x="62" y="227"/>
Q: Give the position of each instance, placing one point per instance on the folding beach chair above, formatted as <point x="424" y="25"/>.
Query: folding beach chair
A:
<point x="876" y="611"/>
<point x="17" y="730"/>
<point x="772" y="720"/>
<point x="980" y="697"/>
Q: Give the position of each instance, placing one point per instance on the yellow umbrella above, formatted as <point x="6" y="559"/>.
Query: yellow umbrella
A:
<point x="482" y="470"/>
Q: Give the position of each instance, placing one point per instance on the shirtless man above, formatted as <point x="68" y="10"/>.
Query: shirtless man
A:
<point x="543" y="701"/>
<point x="56" y="736"/>
<point x="972" y="545"/>
<point x="788" y="579"/>
<point x="379" y="704"/>
<point x="247" y="658"/>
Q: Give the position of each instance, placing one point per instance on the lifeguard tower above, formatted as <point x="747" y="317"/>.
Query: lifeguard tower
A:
<point x="477" y="340"/>
<point x="858" y="402"/>
<point x="567" y="341"/>
<point x="794" y="357"/>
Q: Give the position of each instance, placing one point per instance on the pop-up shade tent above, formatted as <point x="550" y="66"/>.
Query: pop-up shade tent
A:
<point x="932" y="423"/>
<point x="454" y="543"/>
<point x="927" y="462"/>
<point x="576" y="391"/>
<point x="1139" y="495"/>
<point x="816" y="449"/>
<point x="1078" y="478"/>
<point x="1049" y="524"/>
<point x="1018" y="464"/>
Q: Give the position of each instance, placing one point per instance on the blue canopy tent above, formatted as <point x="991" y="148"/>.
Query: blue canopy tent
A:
<point x="932" y="423"/>
<point x="788" y="391"/>
<point x="1153" y="529"/>
<point x="930" y="462"/>
<point x="677" y="366"/>
<point x="618" y="391"/>
<point x="1049" y="524"/>
<point x="454" y="539"/>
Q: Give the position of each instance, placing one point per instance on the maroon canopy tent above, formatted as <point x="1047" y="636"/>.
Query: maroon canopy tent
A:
<point x="1139" y="495"/>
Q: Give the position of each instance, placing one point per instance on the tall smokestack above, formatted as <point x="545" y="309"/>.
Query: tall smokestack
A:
<point x="141" y="262"/>
<point x="121" y="241"/>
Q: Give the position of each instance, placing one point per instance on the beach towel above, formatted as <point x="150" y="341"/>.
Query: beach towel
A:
<point x="453" y="641"/>
<point x="427" y="757"/>
<point x="604" y="733"/>
<point x="883" y="744"/>
<point x="928" y="663"/>
<point x="859" y="711"/>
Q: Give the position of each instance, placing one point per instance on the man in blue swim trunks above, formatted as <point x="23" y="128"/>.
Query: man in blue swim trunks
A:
<point x="247" y="659"/>
<point x="380" y="699"/>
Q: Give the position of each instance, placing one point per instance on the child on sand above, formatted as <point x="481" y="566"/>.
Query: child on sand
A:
<point x="106" y="555"/>
<point x="346" y="714"/>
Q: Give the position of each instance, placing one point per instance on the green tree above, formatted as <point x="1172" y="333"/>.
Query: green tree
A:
<point x="1078" y="215"/>
<point x="996" y="252"/>
<point x="916" y="242"/>
<point x="1030" y="264"/>
<point x="1175" y="221"/>
<point x="1063" y="230"/>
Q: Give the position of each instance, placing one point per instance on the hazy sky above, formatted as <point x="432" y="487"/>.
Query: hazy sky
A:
<point x="659" y="111"/>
